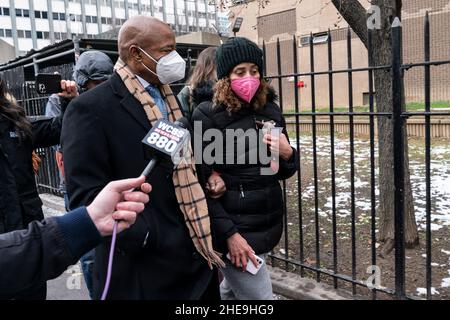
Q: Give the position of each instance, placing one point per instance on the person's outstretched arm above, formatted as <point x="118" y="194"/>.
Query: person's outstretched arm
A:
<point x="45" y="250"/>
<point x="46" y="131"/>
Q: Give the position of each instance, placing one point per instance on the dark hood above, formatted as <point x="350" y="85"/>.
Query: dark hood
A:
<point x="92" y="65"/>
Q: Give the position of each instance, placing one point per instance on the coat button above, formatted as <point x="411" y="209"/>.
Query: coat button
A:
<point x="195" y="256"/>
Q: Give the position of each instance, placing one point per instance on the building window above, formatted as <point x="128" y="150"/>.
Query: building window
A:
<point x="46" y="35"/>
<point x="88" y="19"/>
<point x="6" y="11"/>
<point x="55" y="16"/>
<point x="28" y="34"/>
<point x="62" y="16"/>
<point x="103" y="20"/>
<point x="18" y="12"/>
<point x="26" y="13"/>
<point x="2" y="33"/>
<point x="37" y="14"/>
<point x="8" y="33"/>
<point x="20" y="34"/>
<point x="320" y="38"/>
<point x="39" y="35"/>
<point x="119" y="4"/>
<point x="94" y="20"/>
<point x="57" y="36"/>
<point x="44" y="15"/>
<point x="304" y="41"/>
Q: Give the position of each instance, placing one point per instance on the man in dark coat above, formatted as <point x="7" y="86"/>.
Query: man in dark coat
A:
<point x="101" y="140"/>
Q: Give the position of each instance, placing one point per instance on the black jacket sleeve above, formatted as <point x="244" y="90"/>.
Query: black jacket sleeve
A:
<point x="46" y="131"/>
<point x="222" y="224"/>
<point x="44" y="251"/>
<point x="288" y="168"/>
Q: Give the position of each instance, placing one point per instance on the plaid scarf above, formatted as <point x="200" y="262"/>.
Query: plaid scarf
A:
<point x="189" y="193"/>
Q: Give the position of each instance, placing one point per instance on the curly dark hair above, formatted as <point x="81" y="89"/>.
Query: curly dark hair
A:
<point x="10" y="110"/>
<point x="224" y="95"/>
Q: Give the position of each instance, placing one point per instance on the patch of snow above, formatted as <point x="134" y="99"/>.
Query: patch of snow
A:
<point x="434" y="264"/>
<point x="423" y="291"/>
<point x="434" y="226"/>
<point x="445" y="283"/>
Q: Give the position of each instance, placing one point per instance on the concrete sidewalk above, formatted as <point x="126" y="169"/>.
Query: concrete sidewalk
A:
<point x="70" y="285"/>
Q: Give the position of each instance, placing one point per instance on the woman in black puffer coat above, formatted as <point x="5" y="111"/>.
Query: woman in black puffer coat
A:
<point x="248" y="218"/>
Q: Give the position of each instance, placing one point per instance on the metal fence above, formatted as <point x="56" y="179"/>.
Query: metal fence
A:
<point x="47" y="179"/>
<point x="302" y="248"/>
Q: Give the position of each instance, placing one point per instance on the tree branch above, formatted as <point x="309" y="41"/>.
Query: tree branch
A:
<point x="355" y="15"/>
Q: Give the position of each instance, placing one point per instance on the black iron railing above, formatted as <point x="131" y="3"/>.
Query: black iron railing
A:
<point x="399" y="117"/>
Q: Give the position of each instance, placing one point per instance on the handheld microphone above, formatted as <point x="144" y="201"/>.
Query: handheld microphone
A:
<point x="166" y="141"/>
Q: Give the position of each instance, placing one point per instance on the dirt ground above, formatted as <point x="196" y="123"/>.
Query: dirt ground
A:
<point x="415" y="258"/>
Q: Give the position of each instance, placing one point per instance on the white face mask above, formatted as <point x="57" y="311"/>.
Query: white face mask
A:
<point x="169" y="69"/>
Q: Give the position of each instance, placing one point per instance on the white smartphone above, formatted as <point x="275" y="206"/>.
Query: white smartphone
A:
<point x="251" y="268"/>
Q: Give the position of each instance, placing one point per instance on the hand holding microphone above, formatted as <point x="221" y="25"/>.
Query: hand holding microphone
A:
<point x="166" y="141"/>
<point x="116" y="203"/>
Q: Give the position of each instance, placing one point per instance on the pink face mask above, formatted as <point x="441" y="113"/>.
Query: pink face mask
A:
<point x="246" y="88"/>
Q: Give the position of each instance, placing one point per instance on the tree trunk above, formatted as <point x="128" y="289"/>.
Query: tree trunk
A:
<point x="382" y="51"/>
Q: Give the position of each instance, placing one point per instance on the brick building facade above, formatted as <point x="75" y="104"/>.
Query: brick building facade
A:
<point x="284" y="19"/>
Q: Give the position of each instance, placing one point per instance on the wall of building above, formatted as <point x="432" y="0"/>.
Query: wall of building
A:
<point x="7" y="52"/>
<point x="277" y="21"/>
<point x="413" y="18"/>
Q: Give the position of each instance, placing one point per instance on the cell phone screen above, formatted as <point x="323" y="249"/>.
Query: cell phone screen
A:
<point x="48" y="83"/>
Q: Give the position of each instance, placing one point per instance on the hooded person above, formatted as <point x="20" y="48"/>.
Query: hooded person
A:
<point x="92" y="68"/>
<point x="248" y="218"/>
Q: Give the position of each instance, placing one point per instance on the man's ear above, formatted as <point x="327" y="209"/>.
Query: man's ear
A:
<point x="135" y="53"/>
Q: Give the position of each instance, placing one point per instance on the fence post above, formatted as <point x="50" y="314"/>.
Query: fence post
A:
<point x="77" y="49"/>
<point x="399" y="154"/>
<point x="35" y="66"/>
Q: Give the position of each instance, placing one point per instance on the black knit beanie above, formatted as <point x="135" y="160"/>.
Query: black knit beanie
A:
<point x="237" y="51"/>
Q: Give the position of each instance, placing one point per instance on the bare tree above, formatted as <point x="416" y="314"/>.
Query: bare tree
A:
<point x="356" y="16"/>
